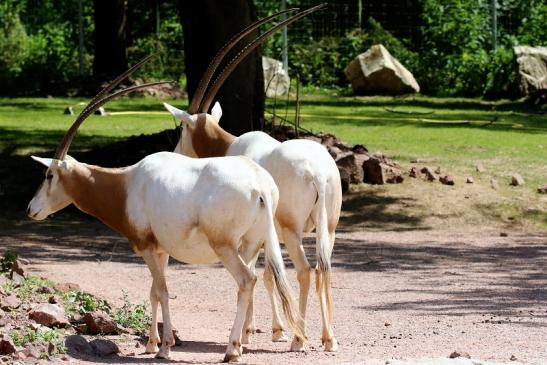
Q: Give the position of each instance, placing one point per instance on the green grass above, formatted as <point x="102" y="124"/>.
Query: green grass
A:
<point x="505" y="137"/>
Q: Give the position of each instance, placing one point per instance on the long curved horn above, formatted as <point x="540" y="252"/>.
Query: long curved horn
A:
<point x="117" y="81"/>
<point x="211" y="93"/>
<point x="215" y="62"/>
<point x="62" y="150"/>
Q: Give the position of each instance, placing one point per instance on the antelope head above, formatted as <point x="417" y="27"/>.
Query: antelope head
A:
<point x="53" y="195"/>
<point x="197" y="123"/>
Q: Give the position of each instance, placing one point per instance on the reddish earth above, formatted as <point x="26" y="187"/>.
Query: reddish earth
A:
<point x="406" y="294"/>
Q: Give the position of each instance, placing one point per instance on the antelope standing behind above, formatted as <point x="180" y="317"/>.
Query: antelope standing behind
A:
<point x="306" y="175"/>
<point x="199" y="211"/>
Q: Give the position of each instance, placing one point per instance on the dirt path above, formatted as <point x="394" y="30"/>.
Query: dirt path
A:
<point x="398" y="295"/>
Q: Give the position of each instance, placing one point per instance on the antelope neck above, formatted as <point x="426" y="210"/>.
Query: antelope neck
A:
<point x="209" y="139"/>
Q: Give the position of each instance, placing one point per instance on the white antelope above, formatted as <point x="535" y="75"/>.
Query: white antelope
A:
<point x="199" y="211"/>
<point x="306" y="175"/>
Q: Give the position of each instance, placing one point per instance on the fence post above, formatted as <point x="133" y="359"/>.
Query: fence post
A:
<point x="494" y="24"/>
<point x="285" y="56"/>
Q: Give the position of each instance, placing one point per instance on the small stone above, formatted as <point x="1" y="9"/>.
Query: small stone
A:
<point x="49" y="315"/>
<point x="66" y="287"/>
<point x="397" y="179"/>
<point x="503" y="234"/>
<point x="35" y="350"/>
<point x="469" y="180"/>
<point x="10" y="302"/>
<point x="494" y="184"/>
<point x="17" y="278"/>
<point x="78" y="345"/>
<point x="413" y="172"/>
<point x="104" y="347"/>
<point x="457" y="354"/>
<point x="542" y="189"/>
<point x="387" y="324"/>
<point x="423" y="160"/>
<point x="438" y="170"/>
<point x="513" y="358"/>
<point x="6" y="345"/>
<point x="447" y="180"/>
<point x="19" y="268"/>
<point x="52" y="299"/>
<point x="100" y="111"/>
<point x="45" y="290"/>
<point x="517" y="180"/>
<point x="480" y="168"/>
<point x="428" y="171"/>
<point x="68" y="111"/>
<point x="100" y="322"/>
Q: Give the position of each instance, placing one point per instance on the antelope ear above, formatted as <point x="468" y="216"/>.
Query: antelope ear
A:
<point x="179" y="114"/>
<point x="217" y="112"/>
<point x="47" y="162"/>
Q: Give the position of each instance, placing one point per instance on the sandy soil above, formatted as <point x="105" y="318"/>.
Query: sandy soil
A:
<point x="398" y="295"/>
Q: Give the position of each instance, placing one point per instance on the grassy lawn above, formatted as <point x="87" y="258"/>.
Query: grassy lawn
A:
<point x="457" y="133"/>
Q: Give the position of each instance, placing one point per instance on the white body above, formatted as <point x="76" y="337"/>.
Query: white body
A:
<point x="199" y="211"/>
<point x="310" y="196"/>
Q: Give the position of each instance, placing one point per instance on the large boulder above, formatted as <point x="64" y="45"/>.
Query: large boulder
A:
<point x="532" y="68"/>
<point x="377" y="72"/>
<point x="276" y="79"/>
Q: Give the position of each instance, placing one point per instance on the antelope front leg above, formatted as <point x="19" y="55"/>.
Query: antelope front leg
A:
<point x="246" y="281"/>
<point x="157" y="262"/>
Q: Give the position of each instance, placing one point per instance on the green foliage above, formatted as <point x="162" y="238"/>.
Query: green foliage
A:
<point x="25" y="336"/>
<point x="532" y="30"/>
<point x="8" y="260"/>
<point x="135" y="316"/>
<point x="82" y="303"/>
<point x="30" y="288"/>
<point x="13" y="39"/>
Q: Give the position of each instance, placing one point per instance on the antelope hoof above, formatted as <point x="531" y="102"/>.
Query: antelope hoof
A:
<point x="246" y="338"/>
<point x="297" y="345"/>
<point x="232" y="356"/>
<point x="330" y="345"/>
<point x="151" y="348"/>
<point x="279" y="336"/>
<point x="164" y="353"/>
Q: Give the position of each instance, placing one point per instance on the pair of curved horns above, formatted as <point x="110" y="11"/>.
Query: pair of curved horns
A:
<point x="99" y="100"/>
<point x="201" y="101"/>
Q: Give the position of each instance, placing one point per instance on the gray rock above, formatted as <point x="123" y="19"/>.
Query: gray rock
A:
<point x="276" y="79"/>
<point x="532" y="68"/>
<point x="542" y="189"/>
<point x="469" y="180"/>
<point x="480" y="168"/>
<point x="104" y="347"/>
<point x="10" y="302"/>
<point x="429" y="173"/>
<point x="377" y="72"/>
<point x="68" y="111"/>
<point x="77" y="345"/>
<point x="517" y="180"/>
<point x="49" y="315"/>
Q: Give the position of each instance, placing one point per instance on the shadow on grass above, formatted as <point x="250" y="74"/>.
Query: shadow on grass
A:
<point x="371" y="209"/>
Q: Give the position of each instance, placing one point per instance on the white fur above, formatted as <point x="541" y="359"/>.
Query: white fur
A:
<point x="310" y="197"/>
<point x="199" y="211"/>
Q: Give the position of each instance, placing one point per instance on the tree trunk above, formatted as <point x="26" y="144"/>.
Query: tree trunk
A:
<point x="208" y="25"/>
<point x="110" y="43"/>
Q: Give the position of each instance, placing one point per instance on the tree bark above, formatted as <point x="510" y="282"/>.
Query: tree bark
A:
<point x="110" y="39"/>
<point x="208" y="25"/>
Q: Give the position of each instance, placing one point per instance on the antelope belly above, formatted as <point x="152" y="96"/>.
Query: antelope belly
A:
<point x="192" y="249"/>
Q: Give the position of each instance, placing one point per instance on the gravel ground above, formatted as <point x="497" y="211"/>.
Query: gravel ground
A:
<point x="408" y="297"/>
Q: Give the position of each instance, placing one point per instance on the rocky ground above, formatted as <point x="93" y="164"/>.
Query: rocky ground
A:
<point x="404" y="297"/>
